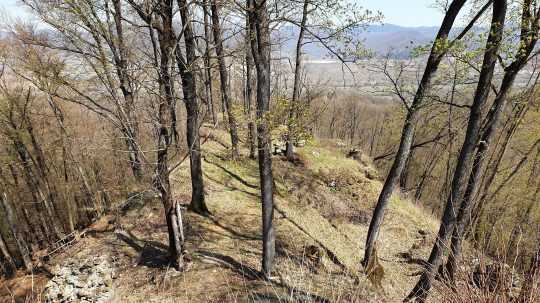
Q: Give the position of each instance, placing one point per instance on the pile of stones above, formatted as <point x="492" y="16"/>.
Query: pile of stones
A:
<point x="89" y="280"/>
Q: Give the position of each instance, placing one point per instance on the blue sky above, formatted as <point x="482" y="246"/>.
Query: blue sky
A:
<point x="405" y="12"/>
<point x="400" y="12"/>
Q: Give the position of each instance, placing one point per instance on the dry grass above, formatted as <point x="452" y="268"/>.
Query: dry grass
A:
<point x="225" y="249"/>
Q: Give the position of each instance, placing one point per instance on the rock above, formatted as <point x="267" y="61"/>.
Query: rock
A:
<point x="279" y="147"/>
<point x="87" y="280"/>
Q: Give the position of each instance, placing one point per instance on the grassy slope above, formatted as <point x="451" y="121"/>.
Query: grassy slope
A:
<point x="327" y="203"/>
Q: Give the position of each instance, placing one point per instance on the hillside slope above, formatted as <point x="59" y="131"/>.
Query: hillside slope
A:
<point x="322" y="204"/>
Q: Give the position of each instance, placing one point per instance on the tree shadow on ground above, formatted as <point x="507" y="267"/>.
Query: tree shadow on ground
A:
<point x="251" y="274"/>
<point x="152" y="254"/>
<point x="232" y="231"/>
<point x="232" y="174"/>
<point x="234" y="188"/>
<point x="272" y="297"/>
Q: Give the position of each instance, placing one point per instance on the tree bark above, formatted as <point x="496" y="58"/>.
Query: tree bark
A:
<point x="166" y="42"/>
<point x="34" y="187"/>
<point x="129" y="127"/>
<point x="13" y="225"/>
<point x="252" y="132"/>
<point x="189" y="88"/>
<point x="493" y="167"/>
<point x="420" y="291"/>
<point x="296" y="86"/>
<point x="218" y="41"/>
<point x="402" y="155"/>
<point x="9" y="264"/>
<point x="207" y="65"/>
<point x="528" y="40"/>
<point x="465" y="209"/>
<point x="260" y="45"/>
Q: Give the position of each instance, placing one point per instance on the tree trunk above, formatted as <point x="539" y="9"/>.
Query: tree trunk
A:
<point x="165" y="119"/>
<point x="13" y="222"/>
<point x="129" y="124"/>
<point x="260" y="45"/>
<point x="420" y="291"/>
<point x="493" y="169"/>
<point x="33" y="186"/>
<point x="207" y="65"/>
<point x="474" y="178"/>
<point x="41" y="183"/>
<point x="529" y="26"/>
<point x="189" y="87"/>
<point x="402" y="155"/>
<point x="252" y="132"/>
<point x="9" y="265"/>
<point x="296" y="86"/>
<point x="216" y="28"/>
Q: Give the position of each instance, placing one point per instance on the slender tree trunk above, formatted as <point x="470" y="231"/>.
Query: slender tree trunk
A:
<point x="296" y="86"/>
<point x="34" y="187"/>
<point x="166" y="42"/>
<point x="30" y="232"/>
<point x="133" y="152"/>
<point x="529" y="26"/>
<point x="474" y="178"/>
<point x="46" y="190"/>
<point x="13" y="225"/>
<point x="402" y="155"/>
<point x="207" y="65"/>
<point x="493" y="169"/>
<point x="420" y="291"/>
<point x="189" y="86"/>
<point x="129" y="127"/>
<point x="9" y="264"/>
<point x="252" y="132"/>
<point x="225" y="90"/>
<point x="260" y="45"/>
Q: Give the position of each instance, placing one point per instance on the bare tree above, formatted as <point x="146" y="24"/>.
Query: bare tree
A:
<point x="13" y="225"/>
<point x="159" y="19"/>
<point x="187" y="67"/>
<point x="260" y="47"/>
<point x="297" y="76"/>
<point x="249" y="92"/>
<point x="207" y="63"/>
<point x="94" y="32"/>
<point x="528" y="39"/>
<point x="438" y="50"/>
<point x="448" y="222"/>
<point x="225" y="90"/>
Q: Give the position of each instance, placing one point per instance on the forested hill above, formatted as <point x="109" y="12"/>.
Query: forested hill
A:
<point x="323" y="205"/>
<point x="257" y="151"/>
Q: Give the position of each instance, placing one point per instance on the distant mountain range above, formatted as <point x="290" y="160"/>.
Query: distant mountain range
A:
<point x="399" y="40"/>
<point x="381" y="39"/>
